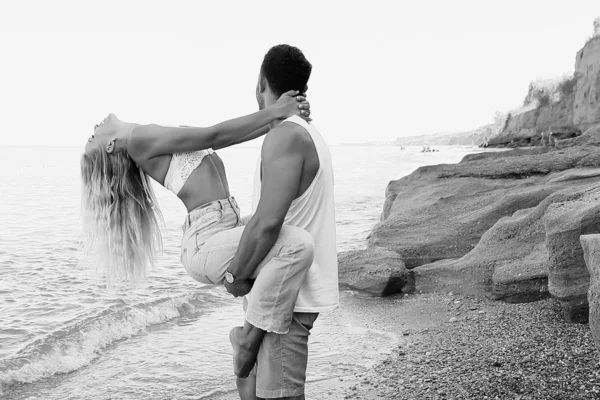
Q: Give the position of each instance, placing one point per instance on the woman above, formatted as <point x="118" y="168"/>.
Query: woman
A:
<point x="121" y="215"/>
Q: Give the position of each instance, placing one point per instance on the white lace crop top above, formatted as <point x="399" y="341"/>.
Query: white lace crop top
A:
<point x="181" y="167"/>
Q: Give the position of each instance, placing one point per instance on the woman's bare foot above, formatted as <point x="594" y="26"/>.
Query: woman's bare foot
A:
<point x="244" y="352"/>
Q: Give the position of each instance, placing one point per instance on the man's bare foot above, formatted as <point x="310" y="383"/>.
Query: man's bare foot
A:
<point x="244" y="354"/>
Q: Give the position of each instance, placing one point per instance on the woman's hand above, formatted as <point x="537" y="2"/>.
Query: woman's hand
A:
<point x="291" y="104"/>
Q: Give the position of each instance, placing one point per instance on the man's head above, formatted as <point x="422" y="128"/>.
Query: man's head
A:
<point x="284" y="68"/>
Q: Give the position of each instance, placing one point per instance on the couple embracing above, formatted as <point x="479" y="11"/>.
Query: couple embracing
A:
<point x="282" y="257"/>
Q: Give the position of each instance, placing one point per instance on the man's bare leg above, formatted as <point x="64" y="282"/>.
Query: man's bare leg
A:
<point x="247" y="389"/>
<point x="246" y="343"/>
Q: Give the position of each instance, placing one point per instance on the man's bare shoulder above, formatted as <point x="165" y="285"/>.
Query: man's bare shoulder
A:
<point x="287" y="136"/>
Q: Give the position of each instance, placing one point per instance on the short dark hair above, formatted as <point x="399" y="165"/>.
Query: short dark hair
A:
<point x="285" y="68"/>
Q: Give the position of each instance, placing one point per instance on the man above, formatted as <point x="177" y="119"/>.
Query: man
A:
<point x="294" y="186"/>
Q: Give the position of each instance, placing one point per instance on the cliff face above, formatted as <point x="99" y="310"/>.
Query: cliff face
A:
<point x="573" y="113"/>
<point x="586" y="109"/>
<point x="526" y="129"/>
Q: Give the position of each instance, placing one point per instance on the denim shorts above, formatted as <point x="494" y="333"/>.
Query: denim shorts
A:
<point x="212" y="234"/>
<point x="201" y="224"/>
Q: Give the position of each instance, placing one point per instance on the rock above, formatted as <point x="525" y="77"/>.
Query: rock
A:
<point x="510" y="260"/>
<point x="441" y="212"/>
<point x="504" y="154"/>
<point x="576" y="174"/>
<point x="591" y="251"/>
<point x="587" y="89"/>
<point x="521" y="282"/>
<point x="533" y="127"/>
<point x="376" y="270"/>
<point x="568" y="277"/>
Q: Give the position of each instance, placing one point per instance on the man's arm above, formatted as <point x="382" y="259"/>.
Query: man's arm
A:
<point x="282" y="163"/>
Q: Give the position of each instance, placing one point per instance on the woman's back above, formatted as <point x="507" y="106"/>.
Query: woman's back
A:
<point x="206" y="182"/>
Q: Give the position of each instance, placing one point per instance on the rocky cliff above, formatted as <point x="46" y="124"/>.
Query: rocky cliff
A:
<point x="577" y="109"/>
<point x="586" y="105"/>
<point x="505" y="225"/>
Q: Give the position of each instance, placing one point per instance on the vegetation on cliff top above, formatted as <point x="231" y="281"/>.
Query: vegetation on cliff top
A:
<point x="543" y="92"/>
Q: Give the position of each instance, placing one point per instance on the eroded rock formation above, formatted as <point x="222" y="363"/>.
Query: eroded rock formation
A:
<point x="591" y="251"/>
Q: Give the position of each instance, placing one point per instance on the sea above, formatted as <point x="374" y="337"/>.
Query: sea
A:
<point x="64" y="335"/>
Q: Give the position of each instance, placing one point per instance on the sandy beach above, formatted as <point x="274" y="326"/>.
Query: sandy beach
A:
<point x="461" y="347"/>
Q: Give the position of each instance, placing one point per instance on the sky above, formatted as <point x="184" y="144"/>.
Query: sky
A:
<point x="381" y="69"/>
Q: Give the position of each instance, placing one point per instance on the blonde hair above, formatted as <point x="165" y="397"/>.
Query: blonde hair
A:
<point x="120" y="216"/>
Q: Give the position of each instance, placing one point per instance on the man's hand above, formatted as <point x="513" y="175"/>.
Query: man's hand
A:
<point x="240" y="287"/>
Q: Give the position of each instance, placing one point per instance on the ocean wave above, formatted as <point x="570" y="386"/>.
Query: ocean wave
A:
<point x="78" y="343"/>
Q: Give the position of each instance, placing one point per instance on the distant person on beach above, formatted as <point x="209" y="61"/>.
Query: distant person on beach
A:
<point x="545" y="136"/>
<point x="293" y="187"/>
<point x="121" y="215"/>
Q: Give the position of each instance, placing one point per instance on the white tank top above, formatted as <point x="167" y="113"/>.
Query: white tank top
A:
<point x="314" y="211"/>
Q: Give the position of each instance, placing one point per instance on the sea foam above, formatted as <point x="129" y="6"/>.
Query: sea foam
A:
<point x="80" y="342"/>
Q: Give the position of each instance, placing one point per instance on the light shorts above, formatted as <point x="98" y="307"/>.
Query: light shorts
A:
<point x="212" y="234"/>
<point x="281" y="364"/>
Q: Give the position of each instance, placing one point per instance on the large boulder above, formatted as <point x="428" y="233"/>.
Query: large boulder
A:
<point x="591" y="252"/>
<point x="377" y="271"/>
<point x="434" y="220"/>
<point x="568" y="277"/>
<point x="441" y="212"/>
<point x="510" y="262"/>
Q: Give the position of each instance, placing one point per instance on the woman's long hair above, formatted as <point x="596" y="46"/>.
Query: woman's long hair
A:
<point x="120" y="216"/>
